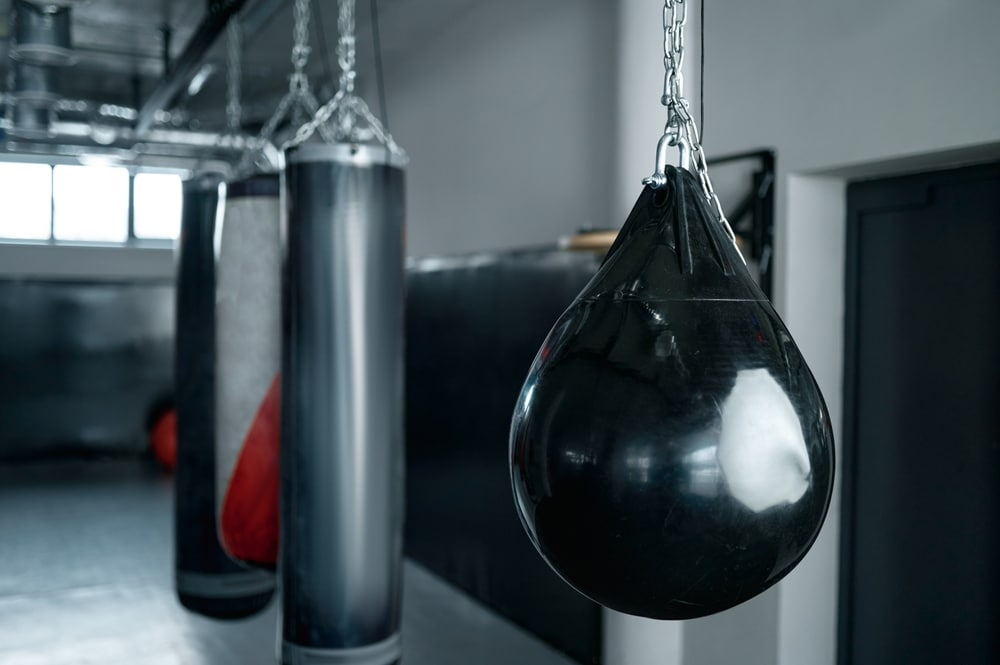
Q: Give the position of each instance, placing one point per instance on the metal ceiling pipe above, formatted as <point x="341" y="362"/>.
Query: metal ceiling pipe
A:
<point x="194" y="143"/>
<point x="34" y="85"/>
<point x="81" y="134"/>
<point x="185" y="66"/>
<point x="29" y="122"/>
<point x="342" y="407"/>
<point x="30" y="133"/>
<point x="41" y="34"/>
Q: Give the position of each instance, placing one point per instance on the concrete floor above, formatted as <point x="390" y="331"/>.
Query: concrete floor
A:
<point x="86" y="577"/>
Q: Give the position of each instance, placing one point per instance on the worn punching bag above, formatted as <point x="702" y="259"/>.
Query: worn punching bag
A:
<point x="342" y="413"/>
<point x="207" y="581"/>
<point x="248" y="359"/>
<point x="671" y="454"/>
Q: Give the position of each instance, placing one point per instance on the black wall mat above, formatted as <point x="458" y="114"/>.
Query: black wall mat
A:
<point x="82" y="364"/>
<point x="474" y="325"/>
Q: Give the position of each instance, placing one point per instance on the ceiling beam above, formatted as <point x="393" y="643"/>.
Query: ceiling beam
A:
<point x="187" y="63"/>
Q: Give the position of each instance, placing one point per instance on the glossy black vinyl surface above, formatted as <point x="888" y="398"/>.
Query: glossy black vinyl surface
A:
<point x="463" y="376"/>
<point x="671" y="454"/>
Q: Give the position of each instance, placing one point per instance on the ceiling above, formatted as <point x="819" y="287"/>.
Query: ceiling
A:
<point x="119" y="48"/>
<point x="116" y="42"/>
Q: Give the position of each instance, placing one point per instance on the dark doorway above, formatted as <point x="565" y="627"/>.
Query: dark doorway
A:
<point x="920" y="553"/>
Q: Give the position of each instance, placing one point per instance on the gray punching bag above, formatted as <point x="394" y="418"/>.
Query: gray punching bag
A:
<point x="342" y="406"/>
<point x="207" y="581"/>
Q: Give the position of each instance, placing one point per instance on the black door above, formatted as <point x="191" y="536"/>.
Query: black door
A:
<point x="920" y="557"/>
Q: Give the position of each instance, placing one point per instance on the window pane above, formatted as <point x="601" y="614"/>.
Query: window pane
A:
<point x="25" y="191"/>
<point x="91" y="203"/>
<point x="157" y="205"/>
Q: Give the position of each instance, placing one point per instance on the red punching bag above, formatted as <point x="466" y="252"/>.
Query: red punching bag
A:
<point x="163" y="439"/>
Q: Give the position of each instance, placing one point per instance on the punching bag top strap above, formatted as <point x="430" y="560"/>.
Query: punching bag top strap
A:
<point x="672" y="247"/>
<point x="351" y="153"/>
<point x="260" y="185"/>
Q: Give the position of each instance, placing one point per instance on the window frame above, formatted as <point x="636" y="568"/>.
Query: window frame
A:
<point x="51" y="216"/>
<point x="131" y="240"/>
<point x="133" y="173"/>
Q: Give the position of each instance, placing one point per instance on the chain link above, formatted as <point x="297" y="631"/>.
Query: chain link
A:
<point x="299" y="96"/>
<point x="680" y="130"/>
<point x="234" y="76"/>
<point x="267" y="131"/>
<point x="300" y="36"/>
<point x="674" y="18"/>
<point x="346" y="46"/>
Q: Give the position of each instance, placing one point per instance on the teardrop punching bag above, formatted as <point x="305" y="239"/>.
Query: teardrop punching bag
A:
<point x="248" y="359"/>
<point x="671" y="454"/>
<point x="207" y="581"/>
<point x="342" y="406"/>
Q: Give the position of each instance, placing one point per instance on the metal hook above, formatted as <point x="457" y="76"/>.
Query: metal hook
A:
<point x="667" y="141"/>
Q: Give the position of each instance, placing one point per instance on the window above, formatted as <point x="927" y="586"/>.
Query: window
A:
<point x="157" y="199"/>
<point x="25" y="201"/>
<point x="91" y="203"/>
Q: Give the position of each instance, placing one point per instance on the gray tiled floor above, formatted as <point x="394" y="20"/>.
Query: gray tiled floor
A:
<point x="86" y="577"/>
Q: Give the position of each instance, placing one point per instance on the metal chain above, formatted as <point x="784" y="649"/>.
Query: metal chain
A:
<point x="267" y="131"/>
<point x="346" y="57"/>
<point x="349" y="109"/>
<point x="234" y="76"/>
<point x="346" y="46"/>
<point x="680" y="130"/>
<point x="674" y="18"/>
<point x="321" y="117"/>
<point x="299" y="95"/>
<point x="300" y="43"/>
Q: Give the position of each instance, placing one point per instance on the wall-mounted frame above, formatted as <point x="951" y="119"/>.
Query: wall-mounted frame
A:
<point x="745" y="184"/>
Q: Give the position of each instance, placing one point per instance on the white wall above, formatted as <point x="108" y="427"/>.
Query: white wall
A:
<point x="843" y="83"/>
<point x="72" y="262"/>
<point x="640" y="118"/>
<point x="505" y="109"/>
<point x="840" y="90"/>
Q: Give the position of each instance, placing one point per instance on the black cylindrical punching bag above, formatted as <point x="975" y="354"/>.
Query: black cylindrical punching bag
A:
<point x="207" y="581"/>
<point x="248" y="359"/>
<point x="342" y="407"/>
